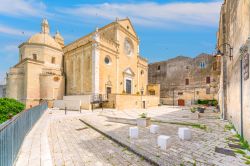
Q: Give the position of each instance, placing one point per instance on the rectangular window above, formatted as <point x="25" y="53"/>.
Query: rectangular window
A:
<point x="187" y="82"/>
<point x="208" y="80"/>
<point x="159" y="68"/>
<point x="208" y="91"/>
<point x="53" y="60"/>
<point x="34" y="56"/>
<point x="180" y="93"/>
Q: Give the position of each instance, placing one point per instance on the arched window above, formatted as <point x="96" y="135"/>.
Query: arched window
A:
<point x="142" y="72"/>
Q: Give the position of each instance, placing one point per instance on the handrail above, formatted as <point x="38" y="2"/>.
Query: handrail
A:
<point x="14" y="130"/>
<point x="14" y="118"/>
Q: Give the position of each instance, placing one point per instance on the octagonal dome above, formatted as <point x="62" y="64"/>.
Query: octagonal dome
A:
<point x="44" y="38"/>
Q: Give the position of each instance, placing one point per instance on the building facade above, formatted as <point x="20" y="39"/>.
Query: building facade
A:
<point x="104" y="62"/>
<point x="233" y="39"/>
<point x="184" y="80"/>
<point x="39" y="73"/>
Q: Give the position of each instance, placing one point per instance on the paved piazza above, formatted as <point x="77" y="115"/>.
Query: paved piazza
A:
<point x="59" y="139"/>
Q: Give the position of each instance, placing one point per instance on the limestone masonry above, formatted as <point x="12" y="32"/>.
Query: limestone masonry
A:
<point x="184" y="80"/>
<point x="234" y="94"/>
<point x="106" y="61"/>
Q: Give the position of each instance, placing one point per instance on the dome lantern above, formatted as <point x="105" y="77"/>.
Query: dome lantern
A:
<point x="45" y="26"/>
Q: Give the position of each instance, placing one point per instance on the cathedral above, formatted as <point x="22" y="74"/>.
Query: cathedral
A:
<point x="106" y="61"/>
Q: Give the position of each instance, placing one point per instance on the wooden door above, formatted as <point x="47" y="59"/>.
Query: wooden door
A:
<point x="181" y="102"/>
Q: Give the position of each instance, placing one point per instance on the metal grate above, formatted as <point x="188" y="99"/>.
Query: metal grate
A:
<point x="13" y="132"/>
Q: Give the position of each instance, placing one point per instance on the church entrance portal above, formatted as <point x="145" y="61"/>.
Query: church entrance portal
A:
<point x="128" y="86"/>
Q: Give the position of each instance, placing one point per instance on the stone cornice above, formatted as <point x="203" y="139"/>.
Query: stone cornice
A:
<point x="39" y="44"/>
<point x="74" y="49"/>
<point x="27" y="60"/>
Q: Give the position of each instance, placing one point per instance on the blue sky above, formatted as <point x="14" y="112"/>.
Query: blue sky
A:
<point x="167" y="28"/>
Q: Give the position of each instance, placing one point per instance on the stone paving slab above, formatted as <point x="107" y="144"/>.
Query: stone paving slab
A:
<point x="35" y="149"/>
<point x="62" y="140"/>
<point x="200" y="150"/>
<point x="73" y="143"/>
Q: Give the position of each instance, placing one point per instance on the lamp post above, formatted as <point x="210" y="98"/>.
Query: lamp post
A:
<point x="142" y="90"/>
<point x="172" y="84"/>
<point x="219" y="53"/>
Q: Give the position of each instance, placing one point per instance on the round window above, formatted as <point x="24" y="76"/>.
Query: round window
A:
<point x="107" y="60"/>
<point x="128" y="47"/>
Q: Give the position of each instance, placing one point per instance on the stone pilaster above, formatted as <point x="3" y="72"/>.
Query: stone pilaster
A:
<point x="95" y="62"/>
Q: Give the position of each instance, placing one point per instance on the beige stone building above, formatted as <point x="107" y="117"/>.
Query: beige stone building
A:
<point x="104" y="62"/>
<point x="39" y="73"/>
<point x="184" y="80"/>
<point x="234" y="39"/>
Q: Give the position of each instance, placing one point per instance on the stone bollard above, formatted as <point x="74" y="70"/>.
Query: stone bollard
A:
<point x="154" y="129"/>
<point x="133" y="132"/>
<point x="184" y="133"/>
<point x="164" y="142"/>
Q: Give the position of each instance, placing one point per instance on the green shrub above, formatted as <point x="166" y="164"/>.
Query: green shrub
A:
<point x="208" y="102"/>
<point x="143" y="115"/>
<point x="193" y="109"/>
<point x="9" y="108"/>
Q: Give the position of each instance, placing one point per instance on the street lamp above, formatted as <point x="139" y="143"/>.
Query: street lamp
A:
<point x="142" y="90"/>
<point x="219" y="53"/>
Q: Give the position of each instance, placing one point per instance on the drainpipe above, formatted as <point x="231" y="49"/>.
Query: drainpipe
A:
<point x="241" y="98"/>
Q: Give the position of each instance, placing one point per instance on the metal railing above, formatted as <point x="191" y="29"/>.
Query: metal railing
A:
<point x="98" y="98"/>
<point x="13" y="132"/>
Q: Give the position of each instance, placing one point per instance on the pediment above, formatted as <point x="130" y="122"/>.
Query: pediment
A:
<point x="126" y="23"/>
<point x="128" y="71"/>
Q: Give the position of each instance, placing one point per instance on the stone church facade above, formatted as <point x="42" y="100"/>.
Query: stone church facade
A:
<point x="234" y="32"/>
<point x="106" y="61"/>
<point x="184" y="80"/>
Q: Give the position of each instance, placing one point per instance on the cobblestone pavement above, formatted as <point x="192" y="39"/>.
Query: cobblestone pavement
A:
<point x="63" y="140"/>
<point x="200" y="150"/>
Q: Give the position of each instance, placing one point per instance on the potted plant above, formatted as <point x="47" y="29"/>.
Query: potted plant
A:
<point x="143" y="121"/>
<point x="201" y="109"/>
<point x="195" y="114"/>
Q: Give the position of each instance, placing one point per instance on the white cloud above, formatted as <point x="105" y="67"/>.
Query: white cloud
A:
<point x="14" y="31"/>
<point x="152" y="14"/>
<point x="22" y="8"/>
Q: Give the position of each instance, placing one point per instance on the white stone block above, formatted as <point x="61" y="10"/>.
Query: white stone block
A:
<point x="154" y="129"/>
<point x="184" y="133"/>
<point x="133" y="132"/>
<point x="164" y="142"/>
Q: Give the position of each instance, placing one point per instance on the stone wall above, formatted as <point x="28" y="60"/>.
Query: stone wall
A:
<point x="124" y="101"/>
<point x="234" y="30"/>
<point x="186" y="77"/>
